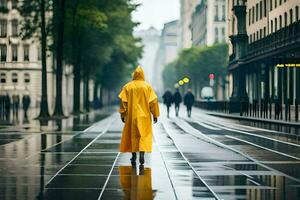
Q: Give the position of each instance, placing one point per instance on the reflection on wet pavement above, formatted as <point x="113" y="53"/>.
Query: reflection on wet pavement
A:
<point x="191" y="159"/>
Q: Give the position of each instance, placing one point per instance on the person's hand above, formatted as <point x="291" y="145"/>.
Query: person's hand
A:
<point x="155" y="120"/>
<point x="123" y="119"/>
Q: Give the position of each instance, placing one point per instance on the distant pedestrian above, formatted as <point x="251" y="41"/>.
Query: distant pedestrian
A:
<point x="168" y="100"/>
<point x="2" y="106"/>
<point x="16" y="103"/>
<point x="177" y="100"/>
<point x="189" y="100"/>
<point x="137" y="102"/>
<point x="26" y="104"/>
<point x="7" y="106"/>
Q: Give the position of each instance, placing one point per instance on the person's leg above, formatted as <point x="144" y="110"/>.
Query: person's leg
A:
<point x="133" y="158"/>
<point x="142" y="157"/>
<point x="168" y="110"/>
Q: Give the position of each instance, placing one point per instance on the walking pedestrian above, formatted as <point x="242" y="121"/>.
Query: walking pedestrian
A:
<point x="168" y="100"/>
<point x="177" y="100"/>
<point x="26" y="103"/>
<point x="189" y="100"/>
<point x="7" y="106"/>
<point x="2" y="106"/>
<point x="137" y="102"/>
<point x="16" y="103"/>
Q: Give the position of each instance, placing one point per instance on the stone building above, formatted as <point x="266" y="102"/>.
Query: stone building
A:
<point x="150" y="40"/>
<point x="20" y="61"/>
<point x="208" y="25"/>
<point x="265" y="40"/>
<point x="166" y="53"/>
<point x="187" y="8"/>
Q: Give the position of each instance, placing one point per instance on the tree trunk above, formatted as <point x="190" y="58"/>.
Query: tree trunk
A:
<point x="87" y="93"/>
<point x="76" y="60"/>
<point x="44" y="110"/>
<point x="95" y="96"/>
<point x="58" y="112"/>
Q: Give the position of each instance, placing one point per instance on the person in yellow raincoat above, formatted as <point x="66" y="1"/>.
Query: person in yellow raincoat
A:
<point x="137" y="102"/>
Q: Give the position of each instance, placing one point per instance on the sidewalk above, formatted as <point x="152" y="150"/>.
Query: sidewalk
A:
<point x="255" y="119"/>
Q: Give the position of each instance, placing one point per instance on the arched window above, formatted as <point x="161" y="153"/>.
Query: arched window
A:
<point x="14" y="77"/>
<point x="280" y="22"/>
<point x="275" y="28"/>
<point x="26" y="78"/>
<point x="285" y="19"/>
<point x="3" y="78"/>
<point x="271" y="26"/>
<point x="14" y="27"/>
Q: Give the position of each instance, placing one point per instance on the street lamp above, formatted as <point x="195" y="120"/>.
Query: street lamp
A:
<point x="186" y="80"/>
<point x="181" y="82"/>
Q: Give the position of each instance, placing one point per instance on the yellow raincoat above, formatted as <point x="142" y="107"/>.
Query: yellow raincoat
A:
<point x="138" y="101"/>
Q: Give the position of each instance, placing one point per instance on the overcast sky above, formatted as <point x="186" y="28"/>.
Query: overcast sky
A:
<point x="156" y="13"/>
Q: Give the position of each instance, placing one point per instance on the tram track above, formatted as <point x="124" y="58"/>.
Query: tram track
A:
<point x="201" y="136"/>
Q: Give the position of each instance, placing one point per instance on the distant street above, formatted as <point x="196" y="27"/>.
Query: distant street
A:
<point x="202" y="157"/>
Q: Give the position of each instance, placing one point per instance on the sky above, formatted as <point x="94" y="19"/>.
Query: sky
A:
<point x="156" y="13"/>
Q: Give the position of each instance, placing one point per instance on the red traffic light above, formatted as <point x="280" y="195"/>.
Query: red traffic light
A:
<point x="211" y="76"/>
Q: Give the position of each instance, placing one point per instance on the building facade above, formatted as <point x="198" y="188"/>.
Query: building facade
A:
<point x="166" y="53"/>
<point x="208" y="25"/>
<point x="150" y="40"/>
<point x="187" y="8"/>
<point x="264" y="53"/>
<point x="20" y="61"/>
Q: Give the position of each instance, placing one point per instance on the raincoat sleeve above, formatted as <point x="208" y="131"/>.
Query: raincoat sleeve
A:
<point x="123" y="102"/>
<point x="153" y="103"/>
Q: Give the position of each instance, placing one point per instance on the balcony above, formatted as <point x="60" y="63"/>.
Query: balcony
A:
<point x="287" y="37"/>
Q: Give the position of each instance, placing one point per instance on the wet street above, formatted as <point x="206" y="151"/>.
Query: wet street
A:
<point x="203" y="157"/>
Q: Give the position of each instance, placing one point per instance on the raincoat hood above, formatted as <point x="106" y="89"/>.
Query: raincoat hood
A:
<point x="138" y="74"/>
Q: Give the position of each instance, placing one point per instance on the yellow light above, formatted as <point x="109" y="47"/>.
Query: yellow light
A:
<point x="186" y="80"/>
<point x="181" y="82"/>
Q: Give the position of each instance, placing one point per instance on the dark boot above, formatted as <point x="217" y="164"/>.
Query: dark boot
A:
<point x="133" y="159"/>
<point x="142" y="158"/>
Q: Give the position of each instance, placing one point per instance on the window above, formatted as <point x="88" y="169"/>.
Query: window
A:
<point x="216" y="35"/>
<point x="14" y="24"/>
<point x="3" y="4"/>
<point x="265" y="8"/>
<point x="223" y="12"/>
<point x="14" y="4"/>
<point x="297" y="13"/>
<point x="271" y="5"/>
<point x="223" y="34"/>
<point x="3" y="28"/>
<point x="253" y="15"/>
<point x="265" y="32"/>
<point x="14" y="51"/>
<point x="260" y="33"/>
<point x="291" y="16"/>
<point x="249" y="15"/>
<point x="285" y="19"/>
<point x="275" y="4"/>
<point x="216" y="13"/>
<point x="271" y="26"/>
<point x="3" y="78"/>
<point x="26" y="52"/>
<point x="3" y="52"/>
<point x="280" y="22"/>
<point x="256" y="12"/>
<point x="280" y="2"/>
<point x="260" y="10"/>
<point x="14" y="77"/>
<point x="39" y="54"/>
<point x="26" y="78"/>
<point x="275" y="23"/>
